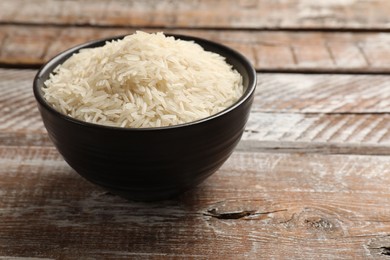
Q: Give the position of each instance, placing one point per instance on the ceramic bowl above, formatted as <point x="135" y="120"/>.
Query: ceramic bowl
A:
<point x="148" y="163"/>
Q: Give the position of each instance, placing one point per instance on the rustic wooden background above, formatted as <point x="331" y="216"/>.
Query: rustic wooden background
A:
<point x="310" y="178"/>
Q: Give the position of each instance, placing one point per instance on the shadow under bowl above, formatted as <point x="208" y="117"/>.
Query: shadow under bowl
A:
<point x="148" y="163"/>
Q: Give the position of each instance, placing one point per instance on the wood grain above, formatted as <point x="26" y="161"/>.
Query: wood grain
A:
<point x="254" y="14"/>
<point x="267" y="50"/>
<point x="320" y="113"/>
<point x="317" y="133"/>
<point x="260" y="204"/>
<point x="291" y="112"/>
<point x="318" y="93"/>
<point x="309" y="179"/>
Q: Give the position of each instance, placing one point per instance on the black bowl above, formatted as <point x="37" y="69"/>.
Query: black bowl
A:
<point x="148" y="163"/>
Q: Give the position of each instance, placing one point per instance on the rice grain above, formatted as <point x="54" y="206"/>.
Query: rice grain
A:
<point x="143" y="80"/>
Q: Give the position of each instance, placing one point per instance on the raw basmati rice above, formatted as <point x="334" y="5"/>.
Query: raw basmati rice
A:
<point x="143" y="80"/>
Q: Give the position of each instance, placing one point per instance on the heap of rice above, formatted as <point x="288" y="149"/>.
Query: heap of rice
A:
<point x="144" y="80"/>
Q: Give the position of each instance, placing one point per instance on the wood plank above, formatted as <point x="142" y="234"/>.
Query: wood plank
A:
<point x="317" y="133"/>
<point x="276" y="205"/>
<point x="320" y="113"/>
<point x="268" y="51"/>
<point x="255" y="14"/>
<point x="308" y="113"/>
<point x="318" y="93"/>
<point x="20" y="122"/>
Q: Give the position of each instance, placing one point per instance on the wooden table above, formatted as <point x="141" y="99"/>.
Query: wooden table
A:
<point x="310" y="178"/>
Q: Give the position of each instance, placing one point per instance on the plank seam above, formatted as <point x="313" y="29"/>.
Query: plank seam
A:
<point x="219" y="28"/>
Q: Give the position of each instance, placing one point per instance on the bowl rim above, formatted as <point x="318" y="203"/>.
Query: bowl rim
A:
<point x="51" y="64"/>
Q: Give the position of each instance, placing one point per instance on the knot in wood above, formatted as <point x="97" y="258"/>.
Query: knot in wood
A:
<point x="319" y="223"/>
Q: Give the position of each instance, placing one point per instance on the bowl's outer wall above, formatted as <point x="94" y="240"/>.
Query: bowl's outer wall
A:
<point x="155" y="163"/>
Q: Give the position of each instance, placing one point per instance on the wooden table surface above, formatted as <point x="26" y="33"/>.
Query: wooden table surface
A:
<point x="310" y="178"/>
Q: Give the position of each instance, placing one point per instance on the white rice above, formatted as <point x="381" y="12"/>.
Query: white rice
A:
<point x="144" y="80"/>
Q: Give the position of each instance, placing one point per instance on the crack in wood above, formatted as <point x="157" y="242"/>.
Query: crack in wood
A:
<point x="237" y="214"/>
<point x="330" y="52"/>
<point x="253" y="52"/>
<point x="384" y="250"/>
<point x="380" y="245"/>
<point x="363" y="53"/>
<point x="2" y="43"/>
<point x="294" y="55"/>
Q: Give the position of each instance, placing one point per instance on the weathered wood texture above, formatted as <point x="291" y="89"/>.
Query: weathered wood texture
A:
<point x="257" y="205"/>
<point x="299" y="112"/>
<point x="320" y="113"/>
<point x="255" y="14"/>
<point x="268" y="51"/>
<point x="307" y="181"/>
